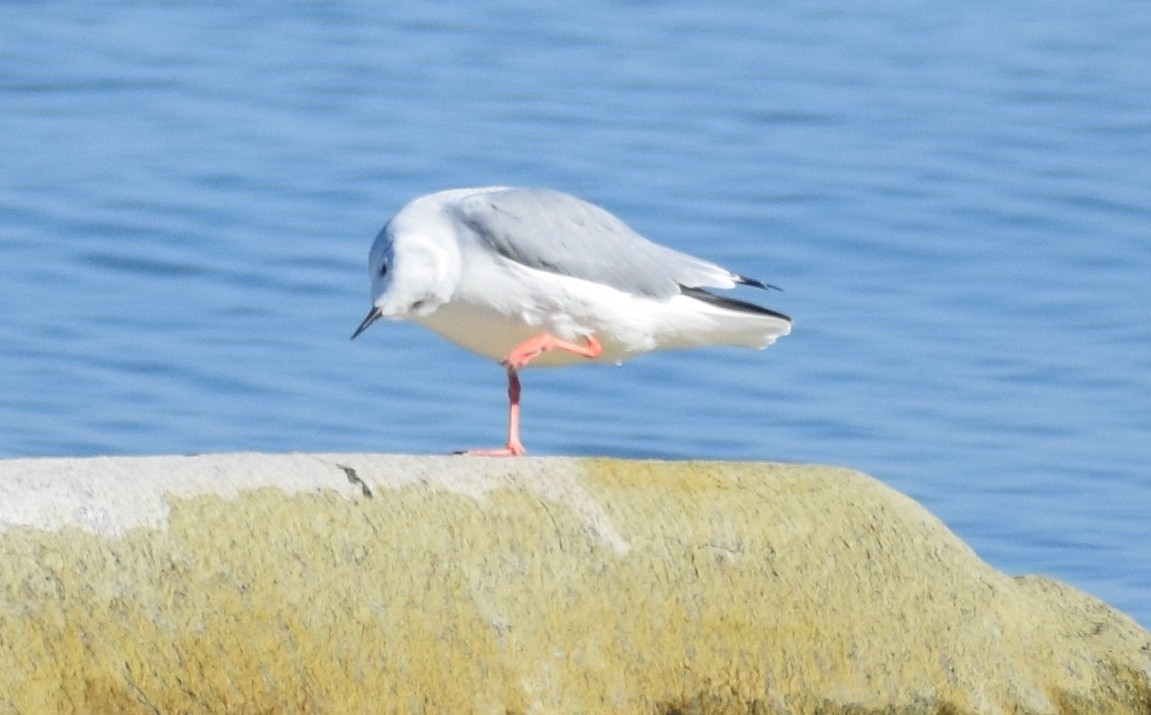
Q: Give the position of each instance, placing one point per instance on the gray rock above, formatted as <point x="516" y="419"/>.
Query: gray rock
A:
<point x="371" y="583"/>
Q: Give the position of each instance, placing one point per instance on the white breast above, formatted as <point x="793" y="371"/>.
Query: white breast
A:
<point x="497" y="307"/>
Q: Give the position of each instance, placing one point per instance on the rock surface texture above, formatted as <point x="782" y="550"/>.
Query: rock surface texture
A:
<point x="350" y="583"/>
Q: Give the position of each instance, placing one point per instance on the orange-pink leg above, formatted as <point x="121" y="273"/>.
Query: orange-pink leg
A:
<point x="519" y="357"/>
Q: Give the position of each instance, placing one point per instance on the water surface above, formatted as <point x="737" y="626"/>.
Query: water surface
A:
<point x="956" y="201"/>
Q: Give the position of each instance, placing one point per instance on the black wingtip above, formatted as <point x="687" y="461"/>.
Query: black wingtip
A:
<point x="731" y="303"/>
<point x="744" y="280"/>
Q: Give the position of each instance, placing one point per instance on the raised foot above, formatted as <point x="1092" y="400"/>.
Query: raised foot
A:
<point x="529" y="350"/>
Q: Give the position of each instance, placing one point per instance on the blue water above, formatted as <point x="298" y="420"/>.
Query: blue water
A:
<point x="956" y="201"/>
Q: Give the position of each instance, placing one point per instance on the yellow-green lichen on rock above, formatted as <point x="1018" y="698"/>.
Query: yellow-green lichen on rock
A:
<point x="371" y="583"/>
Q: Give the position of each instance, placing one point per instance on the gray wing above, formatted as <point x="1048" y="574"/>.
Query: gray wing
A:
<point x="556" y="232"/>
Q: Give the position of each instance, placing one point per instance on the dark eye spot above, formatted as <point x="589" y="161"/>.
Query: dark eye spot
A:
<point x="383" y="270"/>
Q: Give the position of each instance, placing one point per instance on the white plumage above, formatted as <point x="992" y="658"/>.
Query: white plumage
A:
<point x="494" y="268"/>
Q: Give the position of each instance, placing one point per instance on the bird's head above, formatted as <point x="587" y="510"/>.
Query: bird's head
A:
<point x="414" y="267"/>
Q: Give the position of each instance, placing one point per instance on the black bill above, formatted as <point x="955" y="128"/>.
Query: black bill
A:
<point x="373" y="315"/>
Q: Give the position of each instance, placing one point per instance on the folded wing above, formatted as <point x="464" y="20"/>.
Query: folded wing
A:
<point x="556" y="232"/>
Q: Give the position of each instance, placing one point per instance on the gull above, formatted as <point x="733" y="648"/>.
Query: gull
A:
<point x="539" y="277"/>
